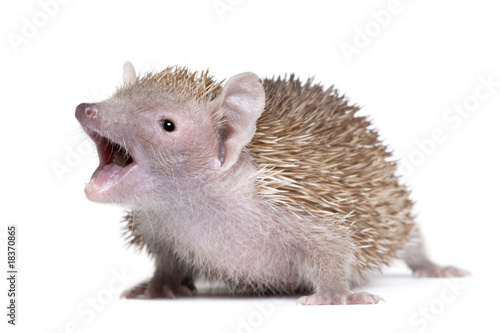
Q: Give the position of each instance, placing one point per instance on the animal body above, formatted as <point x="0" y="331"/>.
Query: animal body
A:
<point x="268" y="186"/>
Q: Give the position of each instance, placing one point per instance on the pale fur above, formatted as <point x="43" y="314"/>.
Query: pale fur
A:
<point x="299" y="195"/>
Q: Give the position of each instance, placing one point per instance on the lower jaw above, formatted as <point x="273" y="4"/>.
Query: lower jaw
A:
<point x="114" y="189"/>
<point x="96" y="194"/>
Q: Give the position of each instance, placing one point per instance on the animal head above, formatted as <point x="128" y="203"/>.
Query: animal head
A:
<point x="162" y="129"/>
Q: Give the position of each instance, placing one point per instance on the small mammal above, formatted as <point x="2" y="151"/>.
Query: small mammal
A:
<point x="268" y="186"/>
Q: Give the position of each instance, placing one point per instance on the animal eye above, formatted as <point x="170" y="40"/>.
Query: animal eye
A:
<point x="167" y="125"/>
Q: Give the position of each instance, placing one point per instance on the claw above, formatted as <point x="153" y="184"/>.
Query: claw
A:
<point x="150" y="290"/>
<point x="340" y="299"/>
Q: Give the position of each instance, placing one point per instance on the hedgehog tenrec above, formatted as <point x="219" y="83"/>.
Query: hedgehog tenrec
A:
<point x="268" y="186"/>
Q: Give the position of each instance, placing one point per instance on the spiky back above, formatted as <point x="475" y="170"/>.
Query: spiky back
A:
<point x="315" y="155"/>
<point x="318" y="156"/>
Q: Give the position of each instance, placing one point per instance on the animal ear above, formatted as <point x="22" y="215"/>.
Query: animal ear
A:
<point x="237" y="109"/>
<point x="129" y="76"/>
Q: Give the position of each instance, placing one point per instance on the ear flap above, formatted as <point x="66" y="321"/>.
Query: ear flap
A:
<point x="129" y="76"/>
<point x="238" y="107"/>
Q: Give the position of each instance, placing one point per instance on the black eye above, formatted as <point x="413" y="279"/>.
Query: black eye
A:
<point x="168" y="125"/>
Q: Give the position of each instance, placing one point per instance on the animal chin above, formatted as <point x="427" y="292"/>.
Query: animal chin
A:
<point x="115" y="163"/>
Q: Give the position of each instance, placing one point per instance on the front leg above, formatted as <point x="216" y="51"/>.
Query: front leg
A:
<point x="170" y="280"/>
<point x="331" y="267"/>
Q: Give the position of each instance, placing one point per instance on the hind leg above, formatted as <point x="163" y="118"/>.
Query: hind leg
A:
<point x="415" y="256"/>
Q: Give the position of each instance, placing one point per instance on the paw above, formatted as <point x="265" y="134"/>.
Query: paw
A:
<point x="440" y="272"/>
<point x="336" y="299"/>
<point x="150" y="290"/>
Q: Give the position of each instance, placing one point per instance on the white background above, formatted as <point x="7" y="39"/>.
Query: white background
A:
<point x="428" y="58"/>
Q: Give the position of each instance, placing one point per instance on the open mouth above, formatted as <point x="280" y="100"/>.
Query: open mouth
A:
<point x="114" y="163"/>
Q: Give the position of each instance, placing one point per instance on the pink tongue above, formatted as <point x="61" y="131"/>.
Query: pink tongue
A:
<point x="108" y="172"/>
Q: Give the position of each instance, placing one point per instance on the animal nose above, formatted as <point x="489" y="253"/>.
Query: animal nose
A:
<point x="85" y="112"/>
